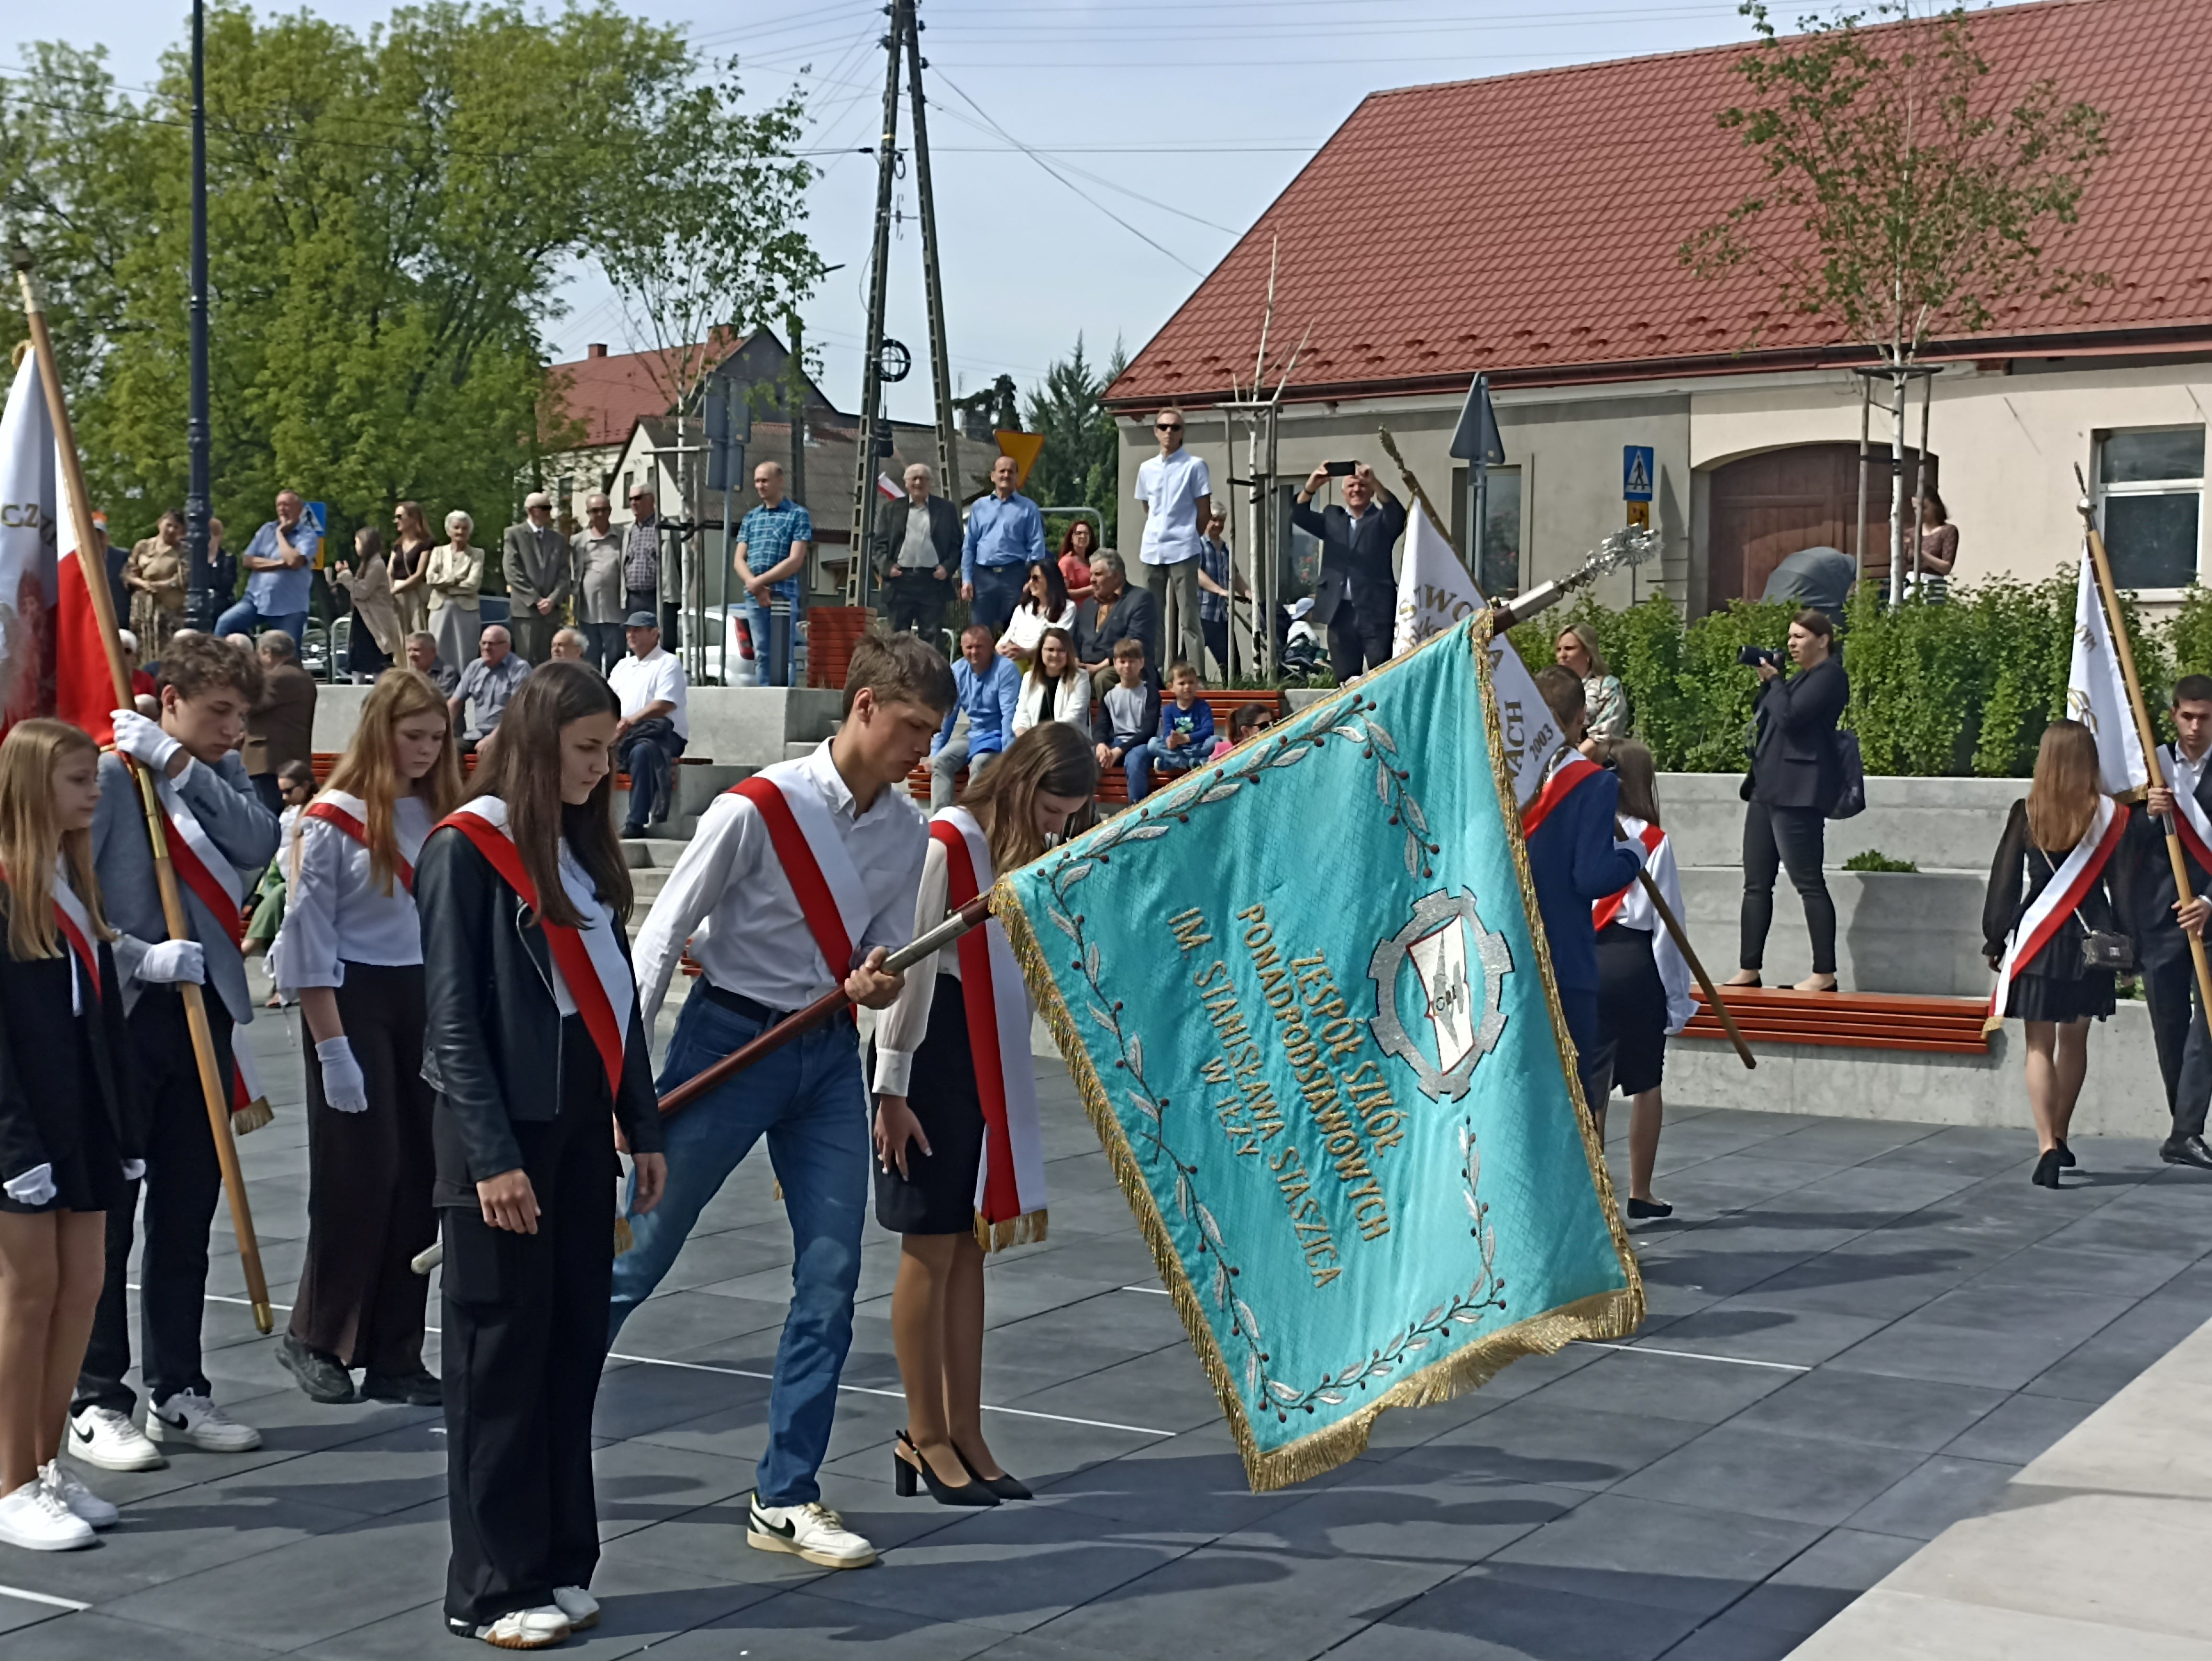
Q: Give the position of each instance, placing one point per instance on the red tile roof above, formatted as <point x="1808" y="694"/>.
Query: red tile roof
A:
<point x="1528" y="224"/>
<point x="612" y="394"/>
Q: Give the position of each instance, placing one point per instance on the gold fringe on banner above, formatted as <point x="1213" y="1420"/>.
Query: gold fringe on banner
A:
<point x="1028" y="1229"/>
<point x="1605" y="1315"/>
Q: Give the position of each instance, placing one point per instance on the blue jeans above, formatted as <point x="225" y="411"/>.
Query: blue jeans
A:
<point x="771" y="643"/>
<point x="808" y="1099"/>
<point x="1139" y="761"/>
<point x="247" y="618"/>
<point x="998" y="591"/>
<point x="648" y="754"/>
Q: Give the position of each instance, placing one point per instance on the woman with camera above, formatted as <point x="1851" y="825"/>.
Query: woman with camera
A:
<point x="1796" y="775"/>
<point x="2050" y="928"/>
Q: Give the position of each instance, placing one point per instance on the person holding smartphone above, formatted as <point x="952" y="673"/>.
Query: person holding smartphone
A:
<point x="1358" y="597"/>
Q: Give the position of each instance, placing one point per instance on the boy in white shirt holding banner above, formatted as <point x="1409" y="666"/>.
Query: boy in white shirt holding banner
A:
<point x="803" y="877"/>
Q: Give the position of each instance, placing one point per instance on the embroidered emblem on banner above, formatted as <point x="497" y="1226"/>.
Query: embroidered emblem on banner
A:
<point x="1459" y="968"/>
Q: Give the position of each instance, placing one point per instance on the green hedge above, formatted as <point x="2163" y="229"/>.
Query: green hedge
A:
<point x="1960" y="689"/>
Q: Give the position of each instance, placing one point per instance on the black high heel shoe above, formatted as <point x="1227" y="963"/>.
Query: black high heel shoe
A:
<point x="2046" y="1169"/>
<point x="1004" y="1488"/>
<point x="903" y="1476"/>
<point x="2066" y="1159"/>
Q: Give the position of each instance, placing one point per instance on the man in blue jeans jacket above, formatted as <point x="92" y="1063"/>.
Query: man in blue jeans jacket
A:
<point x="280" y="563"/>
<point x="986" y="688"/>
<point x="806" y="875"/>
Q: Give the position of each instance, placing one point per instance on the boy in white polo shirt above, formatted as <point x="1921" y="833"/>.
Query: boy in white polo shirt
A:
<point x="1178" y="497"/>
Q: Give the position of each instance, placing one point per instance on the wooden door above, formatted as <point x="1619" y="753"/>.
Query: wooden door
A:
<point x="1766" y="506"/>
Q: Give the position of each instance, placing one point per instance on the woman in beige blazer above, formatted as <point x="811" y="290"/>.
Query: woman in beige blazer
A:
<point x="453" y="573"/>
<point x="376" y="640"/>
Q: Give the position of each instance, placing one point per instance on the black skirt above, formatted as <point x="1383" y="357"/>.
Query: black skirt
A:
<point x="2039" y="997"/>
<point x="1631" y="1007"/>
<point x="938" y="1194"/>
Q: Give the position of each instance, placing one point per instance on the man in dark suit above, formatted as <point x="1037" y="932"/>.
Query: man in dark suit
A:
<point x="918" y="555"/>
<point x="1358" y="599"/>
<point x="1796" y="776"/>
<point x="2169" y="976"/>
<point x="281" y="728"/>
<point x="1115" y="612"/>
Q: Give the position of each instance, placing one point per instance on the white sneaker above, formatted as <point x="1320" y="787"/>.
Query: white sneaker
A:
<point x="80" y="1500"/>
<point x="32" y="1518"/>
<point x="518" y="1629"/>
<point x="191" y="1418"/>
<point x="579" y="1605"/>
<point x="812" y="1531"/>
<point x="106" y="1438"/>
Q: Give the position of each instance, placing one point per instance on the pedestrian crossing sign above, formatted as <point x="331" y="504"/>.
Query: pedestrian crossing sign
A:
<point x="1636" y="473"/>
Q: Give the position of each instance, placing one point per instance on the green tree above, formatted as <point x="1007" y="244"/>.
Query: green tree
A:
<point x="1902" y="193"/>
<point x="392" y="216"/>
<point x="1080" y="466"/>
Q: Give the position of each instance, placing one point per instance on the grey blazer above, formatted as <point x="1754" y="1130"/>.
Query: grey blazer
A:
<point x="222" y="798"/>
<point x="535" y="563"/>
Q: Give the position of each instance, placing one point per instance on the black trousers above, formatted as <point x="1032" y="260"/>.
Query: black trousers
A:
<point x="1358" y="642"/>
<point x="1216" y="630"/>
<point x="182" y="1182"/>
<point x="917" y="603"/>
<point x="369" y="1182"/>
<point x="648" y="753"/>
<point x="2184" y="1044"/>
<point x="524" y="1341"/>
<point x="1793" y="839"/>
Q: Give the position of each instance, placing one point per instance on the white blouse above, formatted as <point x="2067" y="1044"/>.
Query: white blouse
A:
<point x="901" y="1028"/>
<point x="337" y="914"/>
<point x="1026" y="628"/>
<point x="1637" y="911"/>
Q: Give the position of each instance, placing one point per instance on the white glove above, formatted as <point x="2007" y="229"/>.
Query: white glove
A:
<point x="134" y="1169"/>
<point x="173" y="961"/>
<point x="344" y="1086"/>
<point x="142" y="739"/>
<point x="34" y="1187"/>
<point x="1630" y="845"/>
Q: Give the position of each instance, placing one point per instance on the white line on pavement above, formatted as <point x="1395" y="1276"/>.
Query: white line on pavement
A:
<point x="740" y="1372"/>
<point x="69" y="1604"/>
<point x="1694" y="1355"/>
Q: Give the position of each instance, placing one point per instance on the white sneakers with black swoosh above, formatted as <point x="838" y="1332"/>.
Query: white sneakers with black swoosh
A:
<point x="191" y="1418"/>
<point x="812" y="1531"/>
<point x="106" y="1438"/>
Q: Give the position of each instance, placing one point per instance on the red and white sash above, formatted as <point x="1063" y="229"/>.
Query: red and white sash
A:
<point x="823" y="878"/>
<point x="2189" y="819"/>
<point x="245" y="1077"/>
<point x="1557" y="789"/>
<point x="587" y="963"/>
<point x="74" y="921"/>
<point x="1010" y="1196"/>
<point x="199" y="862"/>
<point x="350" y="814"/>
<point x="1603" y="911"/>
<point x="2066" y="891"/>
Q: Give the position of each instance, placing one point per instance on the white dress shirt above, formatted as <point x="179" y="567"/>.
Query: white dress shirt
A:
<point x="756" y="942"/>
<point x="1169" y="486"/>
<point x="656" y="677"/>
<point x="337" y="914"/>
<point x="906" y="1023"/>
<point x="1637" y="911"/>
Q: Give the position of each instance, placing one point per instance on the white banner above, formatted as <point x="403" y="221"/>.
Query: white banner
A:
<point x="2097" y="696"/>
<point x="1435" y="593"/>
<point x="27" y="498"/>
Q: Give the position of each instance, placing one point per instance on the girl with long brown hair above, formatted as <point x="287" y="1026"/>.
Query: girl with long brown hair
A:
<point x="534" y="1039"/>
<point x="960" y="1170"/>
<point x="64" y="1136"/>
<point x="2051" y="930"/>
<point x="351" y="950"/>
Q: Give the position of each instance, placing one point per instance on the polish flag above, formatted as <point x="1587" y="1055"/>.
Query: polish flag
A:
<point x="889" y="487"/>
<point x="52" y="660"/>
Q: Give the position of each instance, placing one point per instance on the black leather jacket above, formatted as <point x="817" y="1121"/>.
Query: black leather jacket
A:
<point x="493" y="1049"/>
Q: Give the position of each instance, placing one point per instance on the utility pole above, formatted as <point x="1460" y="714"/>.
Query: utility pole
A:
<point x="905" y="39"/>
<point x="201" y="606"/>
<point x="794" y="380"/>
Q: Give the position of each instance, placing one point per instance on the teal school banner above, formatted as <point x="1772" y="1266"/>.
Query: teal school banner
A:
<point x="1302" y="996"/>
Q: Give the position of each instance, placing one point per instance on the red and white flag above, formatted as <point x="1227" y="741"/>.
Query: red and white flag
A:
<point x="2097" y="696"/>
<point x="889" y="487"/>
<point x="53" y="661"/>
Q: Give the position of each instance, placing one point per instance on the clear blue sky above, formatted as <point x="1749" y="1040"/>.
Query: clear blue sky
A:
<point x="1182" y="118"/>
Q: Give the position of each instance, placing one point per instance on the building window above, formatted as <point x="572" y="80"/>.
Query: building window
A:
<point x="2150" y="493"/>
<point x="1500" y="576"/>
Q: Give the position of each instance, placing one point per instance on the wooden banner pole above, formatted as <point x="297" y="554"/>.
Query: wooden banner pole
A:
<point x="165" y="876"/>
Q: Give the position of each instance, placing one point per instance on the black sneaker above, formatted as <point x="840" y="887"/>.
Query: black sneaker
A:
<point x="632" y="833"/>
<point x="418" y="1388"/>
<point x="1639" y="1210"/>
<point x="320" y="1375"/>
<point x="2187" y="1150"/>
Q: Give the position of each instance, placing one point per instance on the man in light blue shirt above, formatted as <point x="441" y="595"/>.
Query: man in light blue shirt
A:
<point x="280" y="564"/>
<point x="1005" y="537"/>
<point x="772" y="540"/>
<point x="987" y="688"/>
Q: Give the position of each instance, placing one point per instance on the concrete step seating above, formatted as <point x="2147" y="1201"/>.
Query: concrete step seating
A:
<point x="1854" y="1020"/>
<point x="1112" y="783"/>
<point x="698" y="782"/>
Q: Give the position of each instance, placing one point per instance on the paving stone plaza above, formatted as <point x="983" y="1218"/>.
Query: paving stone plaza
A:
<point x="1859" y="1332"/>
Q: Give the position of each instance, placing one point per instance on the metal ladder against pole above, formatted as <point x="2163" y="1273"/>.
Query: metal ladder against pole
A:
<point x="864" y="488"/>
<point x="940" y="362"/>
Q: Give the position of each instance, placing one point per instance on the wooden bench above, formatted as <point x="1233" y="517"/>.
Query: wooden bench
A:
<point x="1849" y="1020"/>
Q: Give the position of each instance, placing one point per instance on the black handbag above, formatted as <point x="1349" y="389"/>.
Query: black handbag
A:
<point x="2103" y="949"/>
